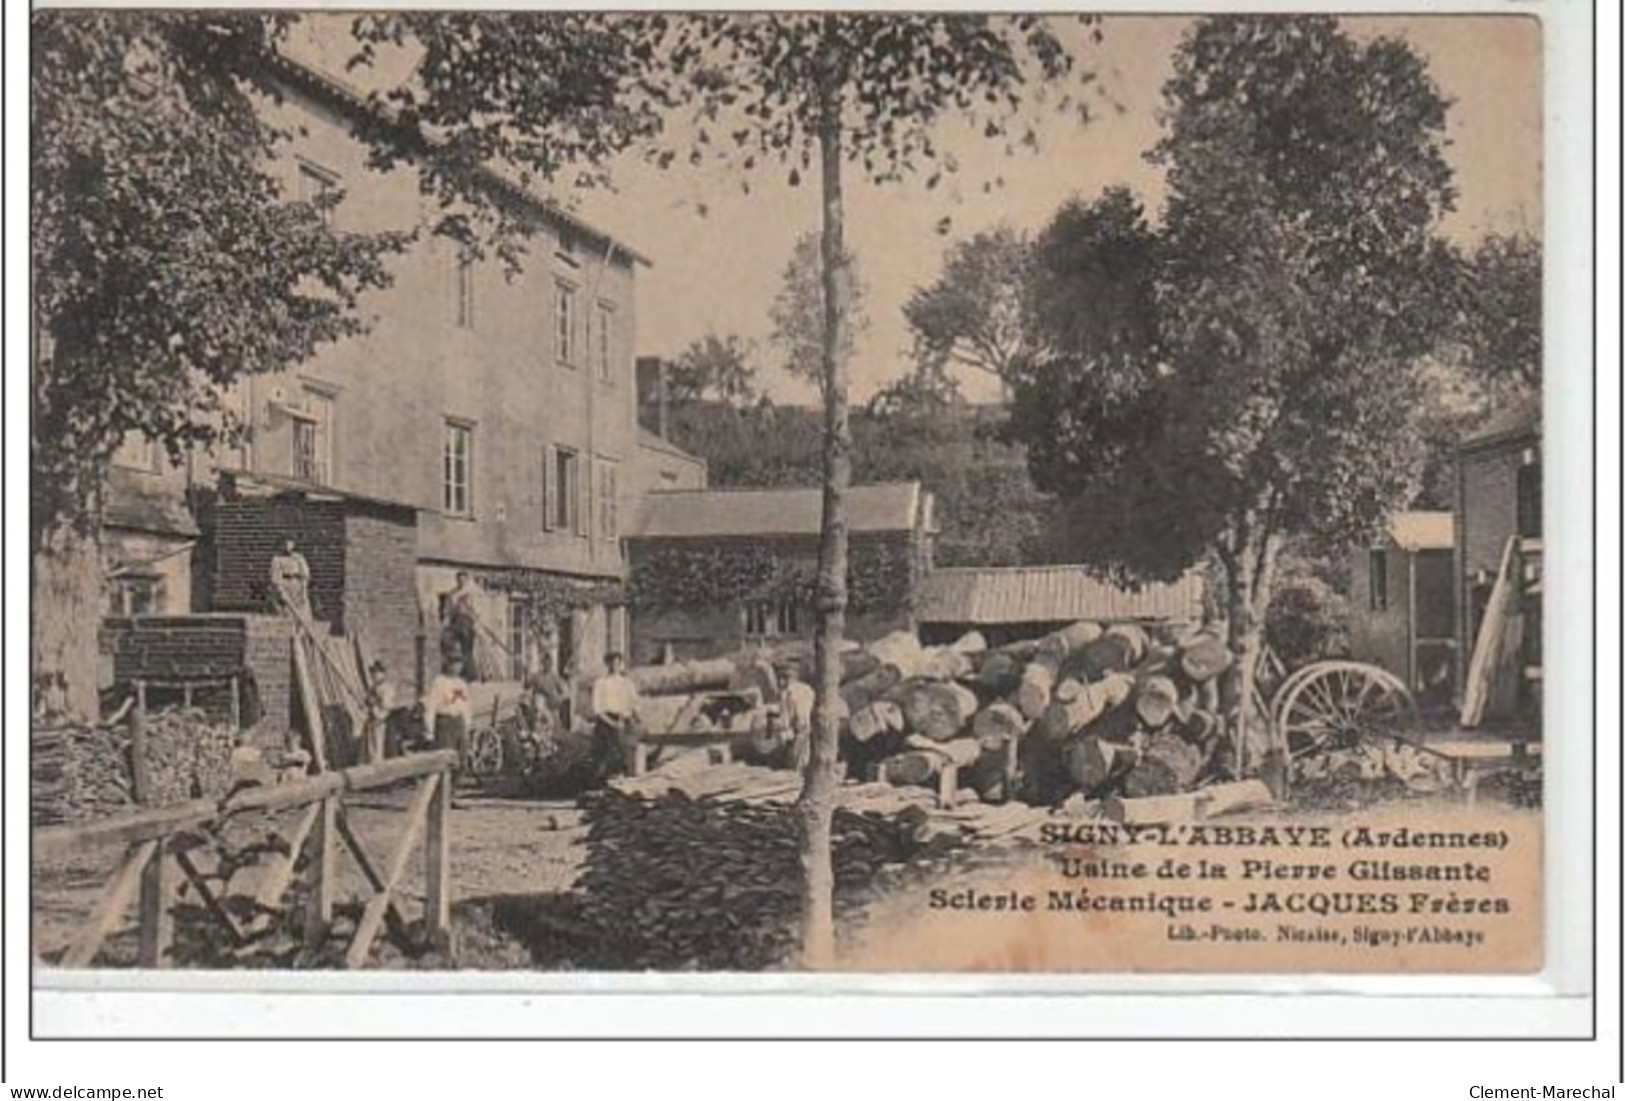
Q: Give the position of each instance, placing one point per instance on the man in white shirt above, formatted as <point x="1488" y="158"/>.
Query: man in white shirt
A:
<point x="290" y="578"/>
<point x="615" y="717"/>
<point x="447" y="709"/>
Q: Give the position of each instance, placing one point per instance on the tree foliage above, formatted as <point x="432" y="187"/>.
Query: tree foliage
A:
<point x="713" y="367"/>
<point x="797" y="310"/>
<point x="168" y="262"/>
<point x="1496" y="316"/>
<point x="1256" y="377"/>
<point x="972" y="316"/>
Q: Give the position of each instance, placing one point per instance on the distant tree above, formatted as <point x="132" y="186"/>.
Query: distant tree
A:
<point x="797" y="312"/>
<point x="167" y="264"/>
<point x="714" y="367"/>
<point x="1496" y="318"/>
<point x="1262" y="384"/>
<point x="972" y="315"/>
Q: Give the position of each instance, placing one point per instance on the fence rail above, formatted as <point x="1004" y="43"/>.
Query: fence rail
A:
<point x="152" y="856"/>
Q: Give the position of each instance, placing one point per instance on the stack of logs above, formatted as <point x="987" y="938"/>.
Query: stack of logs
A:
<point x="81" y="772"/>
<point x="1098" y="710"/>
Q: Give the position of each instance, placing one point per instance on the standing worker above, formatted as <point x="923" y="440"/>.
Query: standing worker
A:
<point x="797" y="704"/>
<point x="380" y="702"/>
<point x="447" y="709"/>
<point x="615" y="717"/>
<point x="290" y="578"/>
<point x="548" y="697"/>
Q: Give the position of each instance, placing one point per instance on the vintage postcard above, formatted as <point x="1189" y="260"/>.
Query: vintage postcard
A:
<point x="859" y="493"/>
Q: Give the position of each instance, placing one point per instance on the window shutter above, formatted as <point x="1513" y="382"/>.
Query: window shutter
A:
<point x="583" y="494"/>
<point x="550" y="489"/>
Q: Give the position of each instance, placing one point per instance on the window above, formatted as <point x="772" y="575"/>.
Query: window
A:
<point x="561" y="509"/>
<point x="605" y="343"/>
<point x="313" y="437"/>
<point x="138" y="451"/>
<point x="608" y="519"/>
<point x="1379" y="579"/>
<point x="564" y="315"/>
<point x="315" y="184"/>
<point x="136" y="590"/>
<point x="465" y="290"/>
<point x="771" y="618"/>
<point x="458" y="473"/>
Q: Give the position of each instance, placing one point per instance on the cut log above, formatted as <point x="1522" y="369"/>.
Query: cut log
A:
<point x="1087" y="703"/>
<point x="942" y="663"/>
<point x="1234" y="796"/>
<point x="684" y="677"/>
<point x="1109" y="653"/>
<point x="1167" y="764"/>
<point x="1204" y="657"/>
<point x="1069" y="689"/>
<point x="958" y="752"/>
<point x="939" y="710"/>
<point x="1091" y="761"/>
<point x="1136" y="638"/>
<point x="998" y="723"/>
<point x="1191" y="806"/>
<point x="1155" y="701"/>
<point x="999" y="673"/>
<point x="911" y="768"/>
<point x="872" y="686"/>
<point x="1032" y="695"/>
<point x="970" y="643"/>
<point x="874" y="719"/>
<point x="900" y="648"/>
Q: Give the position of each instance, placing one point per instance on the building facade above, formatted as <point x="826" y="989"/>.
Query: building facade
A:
<point x="713" y="571"/>
<point x="1498" y="512"/>
<point x="485" y="422"/>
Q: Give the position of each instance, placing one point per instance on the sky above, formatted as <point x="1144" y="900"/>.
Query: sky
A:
<point x="719" y="273"/>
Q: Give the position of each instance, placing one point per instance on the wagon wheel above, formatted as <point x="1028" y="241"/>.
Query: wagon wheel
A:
<point x="1335" y="704"/>
<point x="482" y="756"/>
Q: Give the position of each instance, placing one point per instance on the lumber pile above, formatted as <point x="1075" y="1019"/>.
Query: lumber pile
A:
<point x="80" y="772"/>
<point x="675" y="883"/>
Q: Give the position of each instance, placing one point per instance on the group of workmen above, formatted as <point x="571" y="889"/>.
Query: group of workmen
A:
<point x="547" y="704"/>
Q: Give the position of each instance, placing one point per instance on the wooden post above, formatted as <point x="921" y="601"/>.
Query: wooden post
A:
<point x="186" y="695"/>
<point x="319" y="903"/>
<point x="140" y="776"/>
<point x="373" y="916"/>
<point x="947" y="785"/>
<point x="157" y="923"/>
<point x="236" y="703"/>
<point x="437" y="867"/>
<point x="115" y="900"/>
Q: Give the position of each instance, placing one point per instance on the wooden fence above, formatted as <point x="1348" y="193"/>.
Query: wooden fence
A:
<point x="155" y="851"/>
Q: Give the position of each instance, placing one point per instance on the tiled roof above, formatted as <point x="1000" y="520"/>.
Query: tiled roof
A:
<point x="653" y="441"/>
<point x="722" y="513"/>
<point x="1422" y="530"/>
<point x="1039" y="594"/>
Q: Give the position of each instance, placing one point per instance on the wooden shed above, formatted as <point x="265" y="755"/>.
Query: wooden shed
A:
<point x="1403" y="615"/>
<point x="1009" y="603"/>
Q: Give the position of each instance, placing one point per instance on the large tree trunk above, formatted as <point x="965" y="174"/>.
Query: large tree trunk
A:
<point x="1249" y="579"/>
<point x="67" y="598"/>
<point x="816" y="806"/>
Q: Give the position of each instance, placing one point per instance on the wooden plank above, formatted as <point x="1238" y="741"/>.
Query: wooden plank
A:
<point x="369" y="871"/>
<point x="319" y="903"/>
<point x="271" y="880"/>
<point x="111" y="907"/>
<point x="372" y="917"/>
<point x="437" y="866"/>
<point x="200" y="883"/>
<point x="310" y="700"/>
<point x="157" y="922"/>
<point x="140" y="760"/>
<point x="144" y="825"/>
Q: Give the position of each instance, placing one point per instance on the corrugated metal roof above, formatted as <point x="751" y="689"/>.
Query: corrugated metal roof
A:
<point x="1422" y="530"/>
<point x="719" y="513"/>
<point x="1040" y="594"/>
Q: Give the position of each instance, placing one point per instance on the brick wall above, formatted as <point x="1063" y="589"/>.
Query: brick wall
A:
<point x="200" y="647"/>
<point x="249" y="532"/>
<point x="380" y="597"/>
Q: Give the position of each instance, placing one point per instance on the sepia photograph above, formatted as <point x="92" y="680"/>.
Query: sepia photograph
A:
<point x="799" y="492"/>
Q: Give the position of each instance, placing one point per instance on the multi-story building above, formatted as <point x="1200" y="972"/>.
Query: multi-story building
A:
<point x="486" y="422"/>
